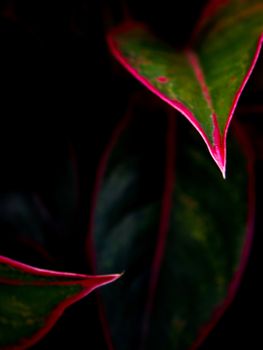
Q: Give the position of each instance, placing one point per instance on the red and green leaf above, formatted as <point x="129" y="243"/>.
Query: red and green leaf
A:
<point x="204" y="81"/>
<point x="181" y="234"/>
<point x="32" y="299"/>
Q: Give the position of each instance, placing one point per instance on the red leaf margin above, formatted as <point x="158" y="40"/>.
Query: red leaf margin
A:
<point x="164" y="223"/>
<point x="89" y="283"/>
<point x="218" y="150"/>
<point x="236" y="281"/>
<point x="90" y="251"/>
<point x="234" y="284"/>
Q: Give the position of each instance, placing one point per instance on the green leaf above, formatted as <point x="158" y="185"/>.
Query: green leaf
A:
<point x="177" y="230"/>
<point x="23" y="223"/>
<point x="32" y="299"/>
<point x="35" y="224"/>
<point x="204" y="81"/>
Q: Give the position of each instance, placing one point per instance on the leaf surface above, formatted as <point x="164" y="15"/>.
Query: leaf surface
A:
<point x="32" y="299"/>
<point x="204" y="81"/>
<point x="180" y="233"/>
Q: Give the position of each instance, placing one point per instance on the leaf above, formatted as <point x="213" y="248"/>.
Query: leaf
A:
<point x="20" y="213"/>
<point x="180" y="233"/>
<point x="42" y="221"/>
<point x="204" y="81"/>
<point x="32" y="299"/>
<point x="23" y="223"/>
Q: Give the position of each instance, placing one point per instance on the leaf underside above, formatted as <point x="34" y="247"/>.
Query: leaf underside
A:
<point x="205" y="80"/>
<point x="31" y="300"/>
<point x="202" y="237"/>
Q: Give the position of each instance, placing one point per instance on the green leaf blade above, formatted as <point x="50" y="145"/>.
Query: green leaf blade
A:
<point x="205" y="81"/>
<point x="227" y="44"/>
<point x="205" y="246"/>
<point x="32" y="299"/>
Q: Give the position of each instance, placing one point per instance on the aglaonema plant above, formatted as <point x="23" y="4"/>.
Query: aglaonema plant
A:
<point x="204" y="80"/>
<point x="180" y="232"/>
<point x="160" y="212"/>
<point x="32" y="299"/>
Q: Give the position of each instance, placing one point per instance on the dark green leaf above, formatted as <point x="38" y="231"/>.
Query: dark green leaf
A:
<point x="183" y="245"/>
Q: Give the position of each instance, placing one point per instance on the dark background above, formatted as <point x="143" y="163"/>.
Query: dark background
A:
<point x="60" y="89"/>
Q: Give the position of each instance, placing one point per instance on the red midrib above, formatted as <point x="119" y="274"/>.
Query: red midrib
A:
<point x="218" y="148"/>
<point x="195" y="65"/>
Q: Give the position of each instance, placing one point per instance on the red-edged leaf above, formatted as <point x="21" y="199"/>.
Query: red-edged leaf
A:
<point x="32" y="299"/>
<point x="205" y="80"/>
<point x="180" y="233"/>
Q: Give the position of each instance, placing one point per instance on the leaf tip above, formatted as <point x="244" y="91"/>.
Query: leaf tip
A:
<point x="223" y="170"/>
<point x="106" y="279"/>
<point x="218" y="154"/>
<point x="222" y="166"/>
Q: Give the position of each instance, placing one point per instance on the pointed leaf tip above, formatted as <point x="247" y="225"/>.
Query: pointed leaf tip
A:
<point x="32" y="300"/>
<point x="200" y="225"/>
<point x="219" y="156"/>
<point x="208" y="78"/>
<point x="102" y="280"/>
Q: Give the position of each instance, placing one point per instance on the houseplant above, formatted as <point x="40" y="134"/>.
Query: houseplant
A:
<point x="180" y="242"/>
